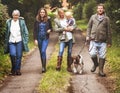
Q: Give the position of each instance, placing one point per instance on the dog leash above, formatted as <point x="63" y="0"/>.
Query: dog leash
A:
<point x="82" y="47"/>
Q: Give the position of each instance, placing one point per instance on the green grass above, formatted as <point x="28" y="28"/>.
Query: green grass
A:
<point x="31" y="41"/>
<point x="54" y="81"/>
<point x="82" y="24"/>
<point x="4" y="64"/>
<point x="113" y="58"/>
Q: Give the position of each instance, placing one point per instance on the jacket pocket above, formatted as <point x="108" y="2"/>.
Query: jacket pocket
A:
<point x="102" y="36"/>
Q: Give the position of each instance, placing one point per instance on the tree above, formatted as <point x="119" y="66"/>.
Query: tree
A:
<point x="113" y="11"/>
<point x="89" y="9"/>
<point x="78" y="11"/>
<point x="3" y="18"/>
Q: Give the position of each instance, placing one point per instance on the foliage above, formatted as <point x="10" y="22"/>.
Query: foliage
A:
<point x="4" y="62"/>
<point x="78" y="11"/>
<point x="113" y="59"/>
<point x="12" y="4"/>
<point x="82" y="24"/>
<point x="75" y="2"/>
<point x="4" y="65"/>
<point x="20" y="1"/>
<point x="55" y="3"/>
<point x="113" y="11"/>
<point x="89" y="9"/>
<point x="3" y="17"/>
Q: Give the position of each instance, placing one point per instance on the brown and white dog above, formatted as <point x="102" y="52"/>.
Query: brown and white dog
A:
<point x="77" y="64"/>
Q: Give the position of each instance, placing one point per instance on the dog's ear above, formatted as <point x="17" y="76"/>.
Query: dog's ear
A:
<point x="72" y="58"/>
<point x="79" y="56"/>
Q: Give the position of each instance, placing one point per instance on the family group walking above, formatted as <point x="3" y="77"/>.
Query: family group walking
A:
<point x="98" y="36"/>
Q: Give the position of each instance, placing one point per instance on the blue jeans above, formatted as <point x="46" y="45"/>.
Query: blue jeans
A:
<point x="97" y="48"/>
<point x="42" y="45"/>
<point x="63" y="45"/>
<point x="16" y="51"/>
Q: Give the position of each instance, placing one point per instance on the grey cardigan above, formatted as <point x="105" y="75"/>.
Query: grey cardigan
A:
<point x="99" y="30"/>
<point x="59" y="29"/>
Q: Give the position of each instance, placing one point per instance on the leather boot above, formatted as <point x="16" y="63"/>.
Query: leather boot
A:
<point x="101" y="66"/>
<point x="95" y="62"/>
<point x="13" y="63"/>
<point x="43" y="65"/>
<point x="59" y="62"/>
<point x="69" y="62"/>
<point x="18" y="73"/>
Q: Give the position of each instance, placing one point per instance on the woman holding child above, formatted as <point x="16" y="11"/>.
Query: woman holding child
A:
<point x="64" y="25"/>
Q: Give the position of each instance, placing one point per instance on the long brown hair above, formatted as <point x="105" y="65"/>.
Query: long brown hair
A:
<point x="38" y="17"/>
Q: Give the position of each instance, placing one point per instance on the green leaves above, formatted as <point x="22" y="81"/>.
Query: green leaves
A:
<point x="3" y="18"/>
<point x="20" y="1"/>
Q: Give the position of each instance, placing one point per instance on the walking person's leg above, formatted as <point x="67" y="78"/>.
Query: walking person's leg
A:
<point x="40" y="47"/>
<point x="93" y="54"/>
<point x="59" y="59"/>
<point x="69" y="59"/>
<point x="12" y="50"/>
<point x="19" y="48"/>
<point x="43" y="54"/>
<point x="102" y="55"/>
<point x="40" y="42"/>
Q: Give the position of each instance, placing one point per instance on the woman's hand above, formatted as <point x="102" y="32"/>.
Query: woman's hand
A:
<point x="36" y="42"/>
<point x="109" y="45"/>
<point x="48" y="31"/>
<point x="69" y="29"/>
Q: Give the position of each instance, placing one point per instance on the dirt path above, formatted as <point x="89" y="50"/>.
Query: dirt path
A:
<point x="31" y="72"/>
<point x="86" y="83"/>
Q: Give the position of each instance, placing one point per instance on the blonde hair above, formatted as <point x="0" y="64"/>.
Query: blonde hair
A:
<point x="68" y="13"/>
<point x="60" y="10"/>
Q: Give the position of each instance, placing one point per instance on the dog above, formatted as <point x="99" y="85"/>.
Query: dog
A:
<point x="77" y="64"/>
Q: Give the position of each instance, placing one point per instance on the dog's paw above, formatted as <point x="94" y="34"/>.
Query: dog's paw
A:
<point x="74" y="70"/>
<point x="81" y="72"/>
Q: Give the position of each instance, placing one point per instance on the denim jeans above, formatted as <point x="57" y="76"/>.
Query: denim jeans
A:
<point x="42" y="45"/>
<point x="97" y="48"/>
<point x="63" y="45"/>
<point x="16" y="51"/>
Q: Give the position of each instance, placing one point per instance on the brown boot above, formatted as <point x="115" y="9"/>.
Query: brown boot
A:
<point x="69" y="62"/>
<point x="59" y="62"/>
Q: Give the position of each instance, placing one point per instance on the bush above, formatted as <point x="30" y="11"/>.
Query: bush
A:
<point x="89" y="9"/>
<point x="78" y="11"/>
<point x="4" y="60"/>
<point x="3" y="18"/>
<point x="113" y="11"/>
